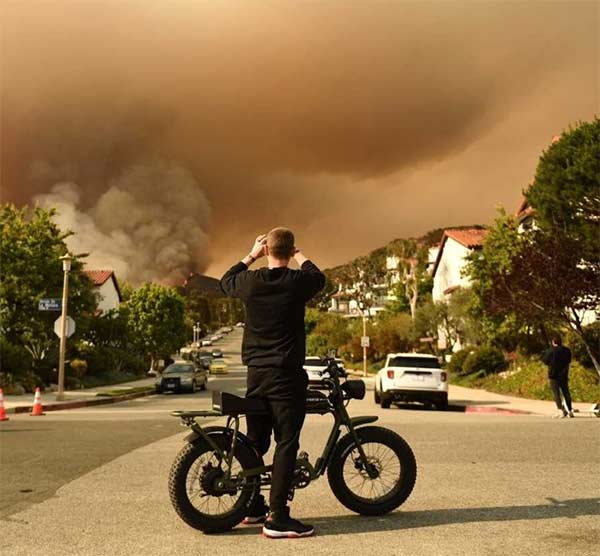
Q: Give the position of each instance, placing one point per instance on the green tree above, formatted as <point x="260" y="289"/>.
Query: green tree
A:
<point x="391" y="334"/>
<point x="414" y="281"/>
<point x="565" y="194"/>
<point x="156" y="320"/>
<point x="548" y="275"/>
<point x="30" y="247"/>
<point x="327" y="331"/>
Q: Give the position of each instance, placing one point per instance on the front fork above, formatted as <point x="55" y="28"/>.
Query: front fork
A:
<point x="346" y="420"/>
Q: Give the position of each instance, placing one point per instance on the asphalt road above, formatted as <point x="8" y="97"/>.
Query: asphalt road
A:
<point x="487" y="485"/>
<point x="39" y="455"/>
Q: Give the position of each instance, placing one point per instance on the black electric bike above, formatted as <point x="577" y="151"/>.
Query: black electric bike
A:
<point x="218" y="473"/>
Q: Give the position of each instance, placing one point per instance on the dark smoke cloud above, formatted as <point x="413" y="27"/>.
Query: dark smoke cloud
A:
<point x="352" y="123"/>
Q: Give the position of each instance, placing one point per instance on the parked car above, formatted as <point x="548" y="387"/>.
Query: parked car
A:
<point x="181" y="375"/>
<point x="239" y="325"/>
<point x="206" y="342"/>
<point x="205" y="359"/>
<point x="217" y="352"/>
<point x="215" y="337"/>
<point x="218" y="367"/>
<point x="412" y="377"/>
<point x="314" y="367"/>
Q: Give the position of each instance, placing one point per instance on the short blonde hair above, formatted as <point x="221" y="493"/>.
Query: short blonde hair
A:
<point x="280" y="242"/>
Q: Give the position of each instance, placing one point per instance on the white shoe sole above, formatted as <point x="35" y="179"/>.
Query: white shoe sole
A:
<point x="285" y="534"/>
<point x="253" y="520"/>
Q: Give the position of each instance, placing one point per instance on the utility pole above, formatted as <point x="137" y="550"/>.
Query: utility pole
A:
<point x="66" y="260"/>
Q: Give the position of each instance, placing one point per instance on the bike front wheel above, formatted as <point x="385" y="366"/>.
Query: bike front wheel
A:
<point x="391" y="462"/>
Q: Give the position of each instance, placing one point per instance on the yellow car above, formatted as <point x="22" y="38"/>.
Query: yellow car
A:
<point x="218" y="368"/>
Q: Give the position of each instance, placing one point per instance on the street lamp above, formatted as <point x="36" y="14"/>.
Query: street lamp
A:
<point x="197" y="330"/>
<point x="66" y="260"/>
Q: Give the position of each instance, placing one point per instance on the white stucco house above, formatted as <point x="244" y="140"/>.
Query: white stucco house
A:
<point x="455" y="247"/>
<point x="106" y="288"/>
<point x="449" y="265"/>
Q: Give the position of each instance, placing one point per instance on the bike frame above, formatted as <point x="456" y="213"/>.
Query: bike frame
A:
<point x="337" y="401"/>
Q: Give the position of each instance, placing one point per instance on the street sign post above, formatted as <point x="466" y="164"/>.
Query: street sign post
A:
<point x="365" y="341"/>
<point x="50" y="304"/>
<point x="69" y="329"/>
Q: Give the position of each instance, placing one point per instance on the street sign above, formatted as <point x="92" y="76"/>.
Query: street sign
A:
<point x="70" y="327"/>
<point x="50" y="304"/>
<point x="364" y="341"/>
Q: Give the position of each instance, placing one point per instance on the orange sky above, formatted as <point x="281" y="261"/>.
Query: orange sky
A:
<point x="183" y="130"/>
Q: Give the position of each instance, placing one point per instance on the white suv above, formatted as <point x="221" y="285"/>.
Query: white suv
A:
<point x="411" y="377"/>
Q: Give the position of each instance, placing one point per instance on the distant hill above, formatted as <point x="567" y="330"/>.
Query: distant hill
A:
<point x="206" y="285"/>
<point x="430" y="239"/>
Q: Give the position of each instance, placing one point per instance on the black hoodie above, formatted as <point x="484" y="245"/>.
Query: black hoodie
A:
<point x="274" y="333"/>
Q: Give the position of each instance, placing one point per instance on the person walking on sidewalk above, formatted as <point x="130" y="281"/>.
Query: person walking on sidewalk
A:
<point x="273" y="348"/>
<point x="558" y="359"/>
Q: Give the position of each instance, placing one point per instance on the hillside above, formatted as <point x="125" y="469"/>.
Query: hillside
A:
<point x="206" y="285"/>
<point x="426" y="241"/>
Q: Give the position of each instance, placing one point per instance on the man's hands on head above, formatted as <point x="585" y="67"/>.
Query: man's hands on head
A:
<point x="299" y="257"/>
<point x="257" y="251"/>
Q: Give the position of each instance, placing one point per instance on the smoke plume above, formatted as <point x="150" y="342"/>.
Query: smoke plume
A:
<point x="352" y="123"/>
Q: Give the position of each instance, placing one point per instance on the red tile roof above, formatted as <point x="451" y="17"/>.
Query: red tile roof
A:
<point x="471" y="238"/>
<point x="98" y="277"/>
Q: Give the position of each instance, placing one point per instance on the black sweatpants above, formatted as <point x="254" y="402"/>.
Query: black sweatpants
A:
<point x="561" y="385"/>
<point x="284" y="391"/>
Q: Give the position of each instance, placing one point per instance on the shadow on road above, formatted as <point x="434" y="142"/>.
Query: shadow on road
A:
<point x="397" y="521"/>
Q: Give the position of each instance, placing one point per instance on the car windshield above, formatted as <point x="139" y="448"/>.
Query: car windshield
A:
<point x="171" y="369"/>
<point x="421" y="362"/>
<point x="314" y="362"/>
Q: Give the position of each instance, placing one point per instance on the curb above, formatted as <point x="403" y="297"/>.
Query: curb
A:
<point x="75" y="404"/>
<point x="482" y="409"/>
<point x="490" y="410"/>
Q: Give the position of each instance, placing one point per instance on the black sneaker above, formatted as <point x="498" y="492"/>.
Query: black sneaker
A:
<point x="257" y="513"/>
<point x="280" y="525"/>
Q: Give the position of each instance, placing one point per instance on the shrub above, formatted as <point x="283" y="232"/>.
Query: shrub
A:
<point x="79" y="367"/>
<point x="456" y="365"/>
<point x="14" y="359"/>
<point x="484" y="361"/>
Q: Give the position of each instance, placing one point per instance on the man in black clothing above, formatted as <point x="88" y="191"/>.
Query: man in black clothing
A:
<point x="558" y="359"/>
<point x="273" y="349"/>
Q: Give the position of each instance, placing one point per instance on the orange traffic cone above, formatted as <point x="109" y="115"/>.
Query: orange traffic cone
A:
<point x="3" y="416"/>
<point x="37" y="408"/>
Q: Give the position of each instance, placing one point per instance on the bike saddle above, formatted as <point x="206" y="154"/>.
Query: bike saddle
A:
<point x="229" y="404"/>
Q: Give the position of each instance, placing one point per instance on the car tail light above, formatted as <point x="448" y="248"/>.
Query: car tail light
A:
<point x="390" y="374"/>
<point x="444" y="376"/>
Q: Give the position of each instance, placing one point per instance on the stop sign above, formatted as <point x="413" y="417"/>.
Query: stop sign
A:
<point x="70" y="327"/>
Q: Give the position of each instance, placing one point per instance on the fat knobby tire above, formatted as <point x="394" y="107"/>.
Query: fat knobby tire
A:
<point x="178" y="493"/>
<point x="408" y="473"/>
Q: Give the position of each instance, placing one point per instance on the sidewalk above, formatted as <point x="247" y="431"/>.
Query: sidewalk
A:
<point x="79" y="398"/>
<point x="481" y="401"/>
<point x="471" y="397"/>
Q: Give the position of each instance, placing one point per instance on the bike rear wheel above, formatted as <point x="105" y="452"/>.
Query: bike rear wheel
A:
<point x="194" y="491"/>
<point x="395" y="465"/>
